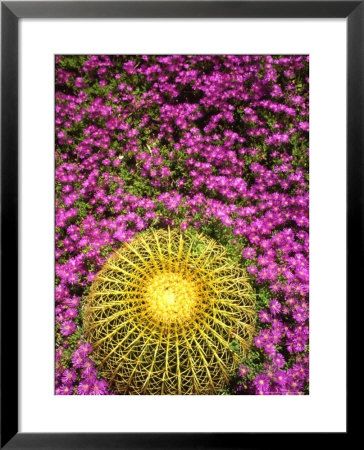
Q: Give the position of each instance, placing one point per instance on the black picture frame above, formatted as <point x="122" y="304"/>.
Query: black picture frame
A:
<point x="11" y="12"/>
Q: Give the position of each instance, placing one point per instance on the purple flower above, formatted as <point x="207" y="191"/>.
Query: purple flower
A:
<point x="99" y="387"/>
<point x="275" y="306"/>
<point x="264" y="316"/>
<point x="243" y="371"/>
<point x="261" y="382"/>
<point x="278" y="360"/>
<point x="85" y="386"/>
<point x="270" y="349"/>
<point x="84" y="349"/>
<point x="68" y="327"/>
<point x="88" y="367"/>
<point x="73" y="302"/>
<point x="68" y="376"/>
<point x="300" y="315"/>
<point x="77" y="359"/>
<point x="66" y="389"/>
<point x="71" y="313"/>
<point x="249" y="253"/>
<point x="281" y="377"/>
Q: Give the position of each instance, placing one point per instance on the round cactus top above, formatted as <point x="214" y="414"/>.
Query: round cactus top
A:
<point x="169" y="313"/>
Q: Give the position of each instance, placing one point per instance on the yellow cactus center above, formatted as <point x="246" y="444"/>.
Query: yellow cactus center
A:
<point x="171" y="298"/>
<point x="170" y="313"/>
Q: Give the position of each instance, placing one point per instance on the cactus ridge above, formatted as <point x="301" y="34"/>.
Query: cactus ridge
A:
<point x="169" y="313"/>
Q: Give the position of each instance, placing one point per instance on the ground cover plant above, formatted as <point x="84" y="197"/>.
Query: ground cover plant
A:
<point x="211" y="146"/>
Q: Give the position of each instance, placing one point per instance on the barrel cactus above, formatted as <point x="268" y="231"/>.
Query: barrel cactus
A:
<point x="169" y="313"/>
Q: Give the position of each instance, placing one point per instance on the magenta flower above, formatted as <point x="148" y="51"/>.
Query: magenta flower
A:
<point x="275" y="306"/>
<point x="65" y="390"/>
<point x="84" y="349"/>
<point x="249" y="253"/>
<point x="68" y="327"/>
<point x="77" y="360"/>
<point x="278" y="360"/>
<point x="69" y="376"/>
<point x="243" y="371"/>
<point x="99" y="387"/>
<point x="85" y="386"/>
<point x="71" y="313"/>
<point x="261" y="382"/>
<point x="281" y="377"/>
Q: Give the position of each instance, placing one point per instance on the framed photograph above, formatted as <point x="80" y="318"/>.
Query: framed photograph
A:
<point x="181" y="221"/>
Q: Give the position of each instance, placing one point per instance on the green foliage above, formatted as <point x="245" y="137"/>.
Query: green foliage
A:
<point x="234" y="346"/>
<point x="83" y="209"/>
<point x="72" y="62"/>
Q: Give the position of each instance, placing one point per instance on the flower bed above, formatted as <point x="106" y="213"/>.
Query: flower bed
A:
<point x="216" y="144"/>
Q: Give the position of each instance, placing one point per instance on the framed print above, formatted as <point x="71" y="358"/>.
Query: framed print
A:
<point x="181" y="213"/>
